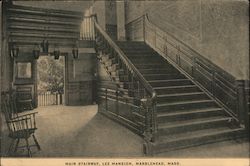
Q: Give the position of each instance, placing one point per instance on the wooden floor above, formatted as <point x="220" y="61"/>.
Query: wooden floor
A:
<point x="81" y="132"/>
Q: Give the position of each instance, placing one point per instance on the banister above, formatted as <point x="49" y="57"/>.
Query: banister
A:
<point x="127" y="62"/>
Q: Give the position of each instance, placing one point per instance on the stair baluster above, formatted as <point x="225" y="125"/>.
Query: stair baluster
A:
<point x="138" y="88"/>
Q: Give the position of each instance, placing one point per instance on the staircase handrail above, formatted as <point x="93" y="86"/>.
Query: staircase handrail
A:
<point x="195" y="55"/>
<point x="127" y="62"/>
<point x="218" y="74"/>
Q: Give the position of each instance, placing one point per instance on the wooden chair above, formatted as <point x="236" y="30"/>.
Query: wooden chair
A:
<point x="20" y="126"/>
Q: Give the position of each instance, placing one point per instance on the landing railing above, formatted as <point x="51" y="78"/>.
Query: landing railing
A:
<point x="87" y="28"/>
<point x="219" y="84"/>
<point x="138" y="88"/>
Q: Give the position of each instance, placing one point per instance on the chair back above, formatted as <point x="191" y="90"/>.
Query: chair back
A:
<point x="9" y="105"/>
<point x="13" y="121"/>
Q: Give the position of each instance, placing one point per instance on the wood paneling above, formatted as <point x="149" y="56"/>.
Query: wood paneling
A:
<point x="28" y="25"/>
<point x="79" y="76"/>
<point x="134" y="30"/>
<point x="112" y="31"/>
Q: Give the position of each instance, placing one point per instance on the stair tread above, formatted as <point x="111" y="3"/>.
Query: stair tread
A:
<point x="170" y="87"/>
<point x="157" y="74"/>
<point x="196" y="134"/>
<point x="169" y="80"/>
<point x="193" y="111"/>
<point x="198" y="121"/>
<point x="183" y="102"/>
<point x="180" y="94"/>
<point x="154" y="69"/>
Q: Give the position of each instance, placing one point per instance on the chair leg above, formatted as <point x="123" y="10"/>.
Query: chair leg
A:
<point x="16" y="145"/>
<point x="28" y="147"/>
<point x="11" y="146"/>
<point x="36" y="142"/>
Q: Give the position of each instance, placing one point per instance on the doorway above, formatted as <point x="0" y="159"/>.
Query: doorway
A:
<point x="50" y="80"/>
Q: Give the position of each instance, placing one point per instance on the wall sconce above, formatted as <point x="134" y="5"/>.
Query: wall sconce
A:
<point x="75" y="52"/>
<point x="56" y="53"/>
<point x="36" y="51"/>
<point x="14" y="50"/>
<point x="45" y="46"/>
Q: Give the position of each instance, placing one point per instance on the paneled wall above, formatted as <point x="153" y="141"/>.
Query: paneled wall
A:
<point x="79" y="78"/>
<point x="6" y="61"/>
<point x="217" y="29"/>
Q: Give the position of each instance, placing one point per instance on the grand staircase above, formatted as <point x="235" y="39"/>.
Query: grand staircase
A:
<point x="186" y="115"/>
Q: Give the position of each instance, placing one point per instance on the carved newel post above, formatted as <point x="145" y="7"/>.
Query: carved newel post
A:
<point x="242" y="104"/>
<point x="146" y="106"/>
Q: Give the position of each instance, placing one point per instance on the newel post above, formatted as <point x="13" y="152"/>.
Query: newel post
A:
<point x="242" y="104"/>
<point x="146" y="105"/>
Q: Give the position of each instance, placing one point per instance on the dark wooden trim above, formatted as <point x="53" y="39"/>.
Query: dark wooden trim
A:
<point x="45" y="11"/>
<point x="27" y="25"/>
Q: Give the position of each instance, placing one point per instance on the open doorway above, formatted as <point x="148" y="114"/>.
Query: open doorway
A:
<point x="50" y="80"/>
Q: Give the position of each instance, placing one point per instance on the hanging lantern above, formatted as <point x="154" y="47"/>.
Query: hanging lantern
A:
<point x="36" y="51"/>
<point x="14" y="51"/>
<point x="56" y="52"/>
<point x="45" y="46"/>
<point x="75" y="52"/>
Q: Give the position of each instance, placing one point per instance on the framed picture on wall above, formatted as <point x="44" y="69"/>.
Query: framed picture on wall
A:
<point x="24" y="70"/>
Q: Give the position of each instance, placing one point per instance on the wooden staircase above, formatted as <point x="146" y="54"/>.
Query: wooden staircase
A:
<point x="186" y="115"/>
<point x="171" y="110"/>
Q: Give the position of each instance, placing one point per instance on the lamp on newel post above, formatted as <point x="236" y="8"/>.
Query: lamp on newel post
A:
<point x="14" y="50"/>
<point x="36" y="51"/>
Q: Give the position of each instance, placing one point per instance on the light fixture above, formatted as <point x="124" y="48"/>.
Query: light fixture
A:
<point x="45" y="46"/>
<point x="36" y="51"/>
<point x="56" y="52"/>
<point x="75" y="52"/>
<point x="14" y="50"/>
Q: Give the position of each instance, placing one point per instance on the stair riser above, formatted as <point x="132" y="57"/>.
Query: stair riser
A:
<point x="162" y="77"/>
<point x="193" y="127"/>
<point x="138" y="50"/>
<point x="187" y="106"/>
<point x="152" y="66"/>
<point x="164" y="147"/>
<point x="174" y="118"/>
<point x="132" y="55"/>
<point x="177" y="90"/>
<point x="146" y="60"/>
<point x="170" y="83"/>
<point x="134" y="46"/>
<point x="181" y="98"/>
<point x="159" y="71"/>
